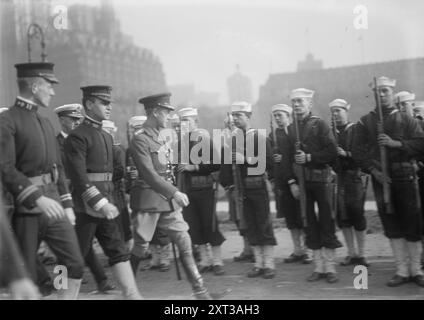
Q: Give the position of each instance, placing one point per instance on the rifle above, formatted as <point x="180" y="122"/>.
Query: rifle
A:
<point x="275" y="150"/>
<point x="300" y="173"/>
<point x="181" y="176"/>
<point x="388" y="209"/>
<point x="339" y="190"/>
<point x="237" y="180"/>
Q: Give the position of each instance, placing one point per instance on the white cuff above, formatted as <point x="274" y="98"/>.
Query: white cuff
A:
<point x="100" y="204"/>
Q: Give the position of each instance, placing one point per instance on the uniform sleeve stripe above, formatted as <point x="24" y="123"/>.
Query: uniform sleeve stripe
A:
<point x="90" y="193"/>
<point x="26" y="193"/>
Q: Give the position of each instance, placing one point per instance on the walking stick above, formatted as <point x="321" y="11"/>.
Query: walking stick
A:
<point x="177" y="267"/>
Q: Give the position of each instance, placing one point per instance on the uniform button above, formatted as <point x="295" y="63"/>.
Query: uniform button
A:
<point x="20" y="187"/>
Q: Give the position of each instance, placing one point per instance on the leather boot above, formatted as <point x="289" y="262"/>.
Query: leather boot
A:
<point x="125" y="279"/>
<point x="70" y="293"/>
<point x="183" y="242"/>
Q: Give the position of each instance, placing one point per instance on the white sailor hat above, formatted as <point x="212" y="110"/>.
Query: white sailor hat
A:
<point x="339" y="103"/>
<point x="109" y="125"/>
<point x="385" y="82"/>
<point x="419" y="105"/>
<point x="403" y="96"/>
<point x="73" y="110"/>
<point x="136" y="121"/>
<point x="301" y="93"/>
<point x="3" y="109"/>
<point x="282" y="107"/>
<point x="241" y="106"/>
<point x="187" y="112"/>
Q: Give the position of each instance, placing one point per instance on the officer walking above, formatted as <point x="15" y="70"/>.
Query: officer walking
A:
<point x="159" y="247"/>
<point x="351" y="193"/>
<point x="90" y="160"/>
<point x="33" y="173"/>
<point x="403" y="139"/>
<point x="159" y="201"/>
<point x="317" y="152"/>
<point x="198" y="183"/>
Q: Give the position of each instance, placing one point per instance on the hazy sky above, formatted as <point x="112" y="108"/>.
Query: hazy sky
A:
<point x="200" y="42"/>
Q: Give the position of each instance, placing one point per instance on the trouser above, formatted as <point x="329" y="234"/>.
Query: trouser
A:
<point x="160" y="238"/>
<point x="350" y="202"/>
<point x="258" y="218"/>
<point x="290" y="208"/>
<point x="31" y="229"/>
<point x="176" y="228"/>
<point x="321" y="229"/>
<point x="201" y="218"/>
<point x="406" y="221"/>
<point x="107" y="233"/>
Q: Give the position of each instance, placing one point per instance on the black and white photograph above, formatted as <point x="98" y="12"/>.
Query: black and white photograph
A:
<point x="235" y="151"/>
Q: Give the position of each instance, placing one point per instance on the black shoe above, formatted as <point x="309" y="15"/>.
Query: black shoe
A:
<point x="243" y="257"/>
<point x="163" y="267"/>
<point x="418" y="279"/>
<point x="361" y="261"/>
<point x="306" y="259"/>
<point x="202" y="295"/>
<point x="294" y="258"/>
<point x="105" y="286"/>
<point x="218" y="270"/>
<point x="348" y="261"/>
<point x="255" y="272"/>
<point x="268" y="273"/>
<point x="146" y="256"/>
<point x="315" y="276"/>
<point x="332" y="277"/>
<point x="204" y="269"/>
<point x="397" y="281"/>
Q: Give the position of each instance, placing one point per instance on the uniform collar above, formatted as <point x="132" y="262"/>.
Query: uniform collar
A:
<point x="26" y="104"/>
<point x="92" y="123"/>
<point x="65" y="135"/>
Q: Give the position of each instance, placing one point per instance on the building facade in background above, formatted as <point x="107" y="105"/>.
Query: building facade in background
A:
<point x="350" y="83"/>
<point x="92" y="50"/>
<point x="239" y="87"/>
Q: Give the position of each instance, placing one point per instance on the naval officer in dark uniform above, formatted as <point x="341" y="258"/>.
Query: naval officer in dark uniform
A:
<point x="33" y="173"/>
<point x="70" y="117"/>
<point x="90" y="162"/>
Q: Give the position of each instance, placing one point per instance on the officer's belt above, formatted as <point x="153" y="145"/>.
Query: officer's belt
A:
<point x="256" y="182"/>
<point x="400" y="165"/>
<point x="99" y="176"/>
<point x="201" y="181"/>
<point x="318" y="175"/>
<point x="41" y="180"/>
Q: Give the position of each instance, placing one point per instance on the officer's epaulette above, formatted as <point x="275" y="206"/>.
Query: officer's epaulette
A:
<point x="139" y="131"/>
